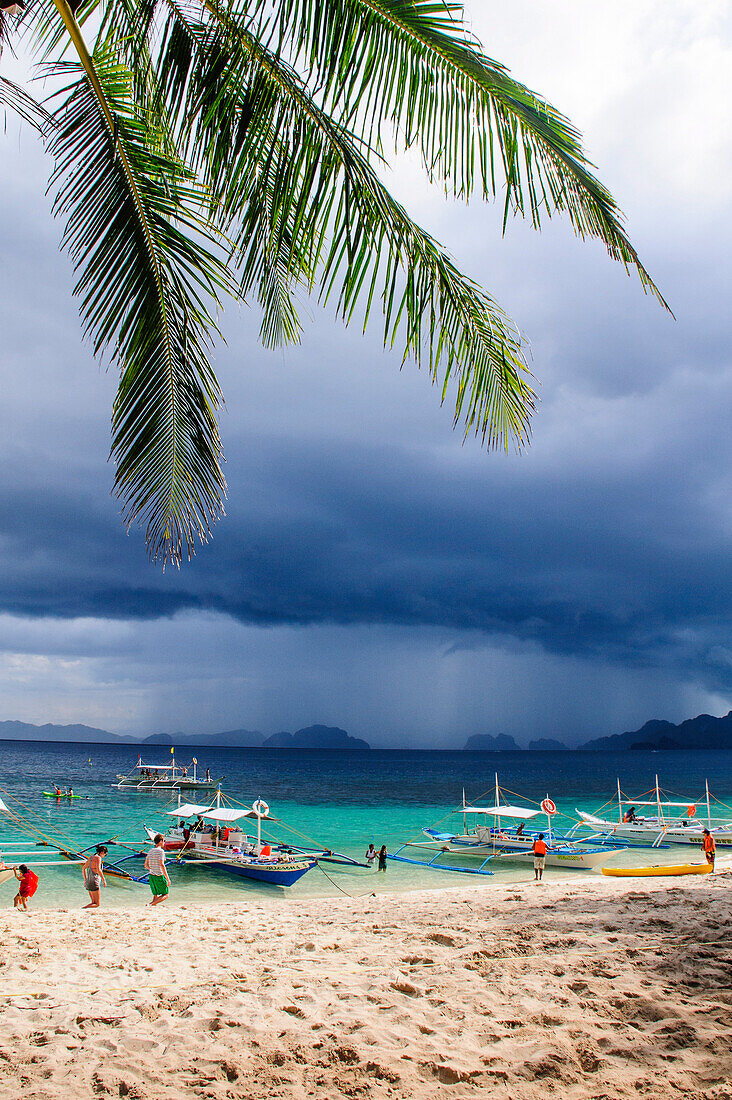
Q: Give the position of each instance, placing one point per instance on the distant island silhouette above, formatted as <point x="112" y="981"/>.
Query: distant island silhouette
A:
<point x="309" y="737"/>
<point x="705" y="732"/>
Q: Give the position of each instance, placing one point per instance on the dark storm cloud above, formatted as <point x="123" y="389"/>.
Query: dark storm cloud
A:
<point x="580" y="562"/>
<point x="351" y="502"/>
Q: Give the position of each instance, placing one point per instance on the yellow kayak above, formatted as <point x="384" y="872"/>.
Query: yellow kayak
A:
<point x="659" y="869"/>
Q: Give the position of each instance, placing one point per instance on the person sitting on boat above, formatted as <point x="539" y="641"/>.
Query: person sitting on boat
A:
<point x="71" y="792"/>
<point x="630" y="816"/>
<point x="198" y="825"/>
<point x="186" y="833"/>
<point x="709" y="846"/>
<point x="539" y="849"/>
<point x="520" y="829"/>
<point x="57" y="789"/>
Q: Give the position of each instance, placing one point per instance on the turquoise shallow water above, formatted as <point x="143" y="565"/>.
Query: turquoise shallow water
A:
<point x="342" y="801"/>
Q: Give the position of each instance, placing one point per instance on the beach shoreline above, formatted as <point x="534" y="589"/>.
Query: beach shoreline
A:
<point x="588" y="988"/>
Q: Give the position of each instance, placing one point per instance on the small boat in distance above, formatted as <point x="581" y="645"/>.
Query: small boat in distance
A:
<point x="69" y="795"/>
<point x="166" y="777"/>
<point x="667" y="824"/>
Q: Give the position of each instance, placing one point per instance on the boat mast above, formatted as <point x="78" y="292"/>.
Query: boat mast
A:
<point x="658" y="802"/>
<point x="464" y="824"/>
<point x="549" y="821"/>
<point x="709" y="811"/>
<point x="620" y="803"/>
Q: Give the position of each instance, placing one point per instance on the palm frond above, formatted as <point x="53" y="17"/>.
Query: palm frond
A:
<point x="147" y="280"/>
<point x="412" y="64"/>
<point x="293" y="184"/>
<point x="18" y="100"/>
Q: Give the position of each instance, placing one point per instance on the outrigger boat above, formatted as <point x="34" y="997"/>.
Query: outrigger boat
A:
<point x="217" y="840"/>
<point x="30" y="856"/>
<point x="166" y="777"/>
<point x="684" y="828"/>
<point x="497" y="833"/>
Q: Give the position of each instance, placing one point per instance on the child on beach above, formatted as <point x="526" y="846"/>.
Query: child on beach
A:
<point x="28" y="885"/>
<point x="92" y="872"/>
<point x="155" y="864"/>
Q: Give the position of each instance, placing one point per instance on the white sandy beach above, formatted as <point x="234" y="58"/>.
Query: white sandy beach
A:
<point x="592" y="988"/>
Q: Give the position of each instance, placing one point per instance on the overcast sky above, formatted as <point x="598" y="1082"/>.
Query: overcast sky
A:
<point x="373" y="571"/>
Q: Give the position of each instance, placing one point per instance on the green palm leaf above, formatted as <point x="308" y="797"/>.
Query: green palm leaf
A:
<point x="135" y="234"/>
<point x="17" y="99"/>
<point x="411" y="64"/>
<point x="209" y="147"/>
<point x="301" y="199"/>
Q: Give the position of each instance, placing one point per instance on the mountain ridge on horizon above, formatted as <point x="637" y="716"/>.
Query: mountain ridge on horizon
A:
<point x="315" y="736"/>
<point x="702" y="732"/>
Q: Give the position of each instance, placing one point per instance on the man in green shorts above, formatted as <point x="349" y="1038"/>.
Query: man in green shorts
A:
<point x="155" y="864"/>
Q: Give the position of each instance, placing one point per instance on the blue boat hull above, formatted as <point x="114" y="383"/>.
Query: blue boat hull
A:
<point x="261" y="872"/>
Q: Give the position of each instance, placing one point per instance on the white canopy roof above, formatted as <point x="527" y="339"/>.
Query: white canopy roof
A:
<point x="186" y="809"/>
<point x="227" y="813"/>
<point x="501" y="811"/>
<point x="3" y="808"/>
<point x="638" y="802"/>
<point x="157" y="767"/>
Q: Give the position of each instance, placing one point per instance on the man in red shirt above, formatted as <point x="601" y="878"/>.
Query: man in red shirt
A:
<point x="709" y="846"/>
<point x="28" y="885"/>
<point x="540" y="850"/>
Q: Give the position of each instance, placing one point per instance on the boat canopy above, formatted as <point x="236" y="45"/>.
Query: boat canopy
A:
<point x="639" y="802"/>
<point x="187" y="809"/>
<point x="3" y="808"/>
<point x="227" y="813"/>
<point x="158" y="767"/>
<point x="500" y="811"/>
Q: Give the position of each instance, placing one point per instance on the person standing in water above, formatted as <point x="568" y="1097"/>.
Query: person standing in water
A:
<point x="155" y="864"/>
<point x="539" y="849"/>
<point x="382" y="857"/>
<point x="93" y="874"/>
<point x="28" y="885"/>
<point x="709" y="847"/>
<point x="371" y="856"/>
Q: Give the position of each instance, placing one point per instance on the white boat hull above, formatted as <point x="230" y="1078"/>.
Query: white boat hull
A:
<point x="125" y="783"/>
<point x="512" y="849"/>
<point x="650" y="829"/>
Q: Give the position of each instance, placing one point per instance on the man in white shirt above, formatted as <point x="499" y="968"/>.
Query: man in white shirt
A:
<point x="155" y="864"/>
